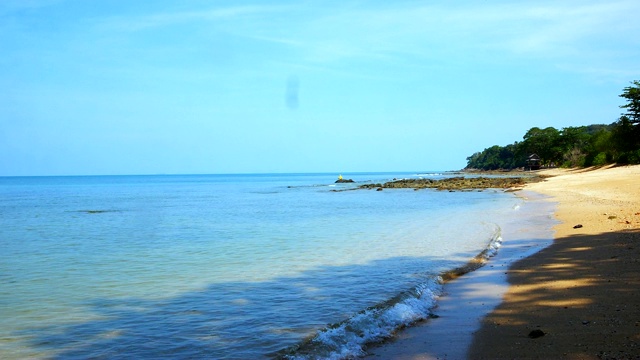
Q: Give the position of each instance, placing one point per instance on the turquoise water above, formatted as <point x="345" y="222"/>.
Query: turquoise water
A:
<point x="224" y="266"/>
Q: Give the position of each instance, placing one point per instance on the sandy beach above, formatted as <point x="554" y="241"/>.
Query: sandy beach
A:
<point x="578" y="298"/>
<point x="583" y="292"/>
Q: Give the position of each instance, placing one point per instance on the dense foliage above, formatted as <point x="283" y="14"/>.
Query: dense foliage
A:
<point x="591" y="145"/>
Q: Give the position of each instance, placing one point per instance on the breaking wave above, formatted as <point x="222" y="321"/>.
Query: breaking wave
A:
<point x="348" y="339"/>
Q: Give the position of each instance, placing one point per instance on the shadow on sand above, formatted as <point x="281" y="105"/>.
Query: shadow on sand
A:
<point x="581" y="296"/>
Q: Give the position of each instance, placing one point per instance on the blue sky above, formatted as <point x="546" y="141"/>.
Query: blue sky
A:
<point x="193" y="86"/>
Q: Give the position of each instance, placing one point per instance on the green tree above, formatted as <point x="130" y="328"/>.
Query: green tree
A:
<point x="626" y="134"/>
<point x="473" y="161"/>
<point x="509" y="157"/>
<point x="600" y="149"/>
<point x="632" y="94"/>
<point x="494" y="158"/>
<point x="544" y="142"/>
<point x="596" y="144"/>
<point x="573" y="137"/>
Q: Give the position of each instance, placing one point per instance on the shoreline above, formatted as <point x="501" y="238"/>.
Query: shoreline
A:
<point x="469" y="297"/>
<point x="503" y="324"/>
<point x="581" y="294"/>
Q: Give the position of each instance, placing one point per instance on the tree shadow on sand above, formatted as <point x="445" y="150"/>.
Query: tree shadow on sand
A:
<point x="577" y="299"/>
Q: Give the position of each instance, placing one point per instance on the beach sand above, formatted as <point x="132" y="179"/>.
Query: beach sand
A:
<point x="581" y="293"/>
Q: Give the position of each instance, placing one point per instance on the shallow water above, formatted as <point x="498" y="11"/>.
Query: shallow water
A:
<point x="221" y="266"/>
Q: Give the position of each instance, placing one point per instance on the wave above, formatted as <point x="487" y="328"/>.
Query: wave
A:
<point x="348" y="339"/>
<point x="479" y="260"/>
<point x="430" y="174"/>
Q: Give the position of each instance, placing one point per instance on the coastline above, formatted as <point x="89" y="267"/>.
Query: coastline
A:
<point x="470" y="297"/>
<point x="582" y="293"/>
<point x="558" y="290"/>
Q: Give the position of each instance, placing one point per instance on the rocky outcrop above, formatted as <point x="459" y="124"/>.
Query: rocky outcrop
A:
<point x="455" y="183"/>
<point x="340" y="181"/>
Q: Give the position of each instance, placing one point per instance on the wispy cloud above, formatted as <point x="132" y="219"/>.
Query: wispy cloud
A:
<point x="551" y="30"/>
<point x="524" y="28"/>
<point x="387" y="30"/>
<point x="161" y="19"/>
<point x="401" y="33"/>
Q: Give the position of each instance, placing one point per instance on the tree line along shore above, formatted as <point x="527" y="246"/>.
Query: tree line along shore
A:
<point x="582" y="146"/>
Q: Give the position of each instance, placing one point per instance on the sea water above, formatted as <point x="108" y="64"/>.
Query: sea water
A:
<point x="226" y="266"/>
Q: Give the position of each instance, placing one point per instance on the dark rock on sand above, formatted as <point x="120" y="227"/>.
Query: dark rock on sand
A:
<point x="536" y="334"/>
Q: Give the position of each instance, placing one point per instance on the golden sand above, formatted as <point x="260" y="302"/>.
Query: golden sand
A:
<point x="582" y="292"/>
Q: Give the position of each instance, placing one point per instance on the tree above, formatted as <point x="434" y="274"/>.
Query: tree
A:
<point x="495" y="157"/>
<point x="595" y="144"/>
<point x="626" y="133"/>
<point x="573" y="137"/>
<point x="544" y="142"/>
<point x="600" y="149"/>
<point x="632" y="94"/>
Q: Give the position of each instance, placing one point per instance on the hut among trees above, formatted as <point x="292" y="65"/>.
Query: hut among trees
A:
<point x="533" y="162"/>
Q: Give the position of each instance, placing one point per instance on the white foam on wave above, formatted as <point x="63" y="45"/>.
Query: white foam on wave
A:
<point x="348" y="339"/>
<point x="494" y="244"/>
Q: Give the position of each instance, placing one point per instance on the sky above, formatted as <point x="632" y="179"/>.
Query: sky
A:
<point x="204" y="87"/>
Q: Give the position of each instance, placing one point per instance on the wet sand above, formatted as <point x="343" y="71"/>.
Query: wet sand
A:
<point x="582" y="293"/>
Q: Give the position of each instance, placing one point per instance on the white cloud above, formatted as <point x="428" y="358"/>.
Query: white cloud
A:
<point x="321" y="34"/>
<point x="161" y="19"/>
<point x="565" y="31"/>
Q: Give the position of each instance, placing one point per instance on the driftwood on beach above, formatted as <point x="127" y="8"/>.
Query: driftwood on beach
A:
<point x="456" y="183"/>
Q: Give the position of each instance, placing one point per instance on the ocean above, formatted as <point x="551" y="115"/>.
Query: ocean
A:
<point x="250" y="266"/>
